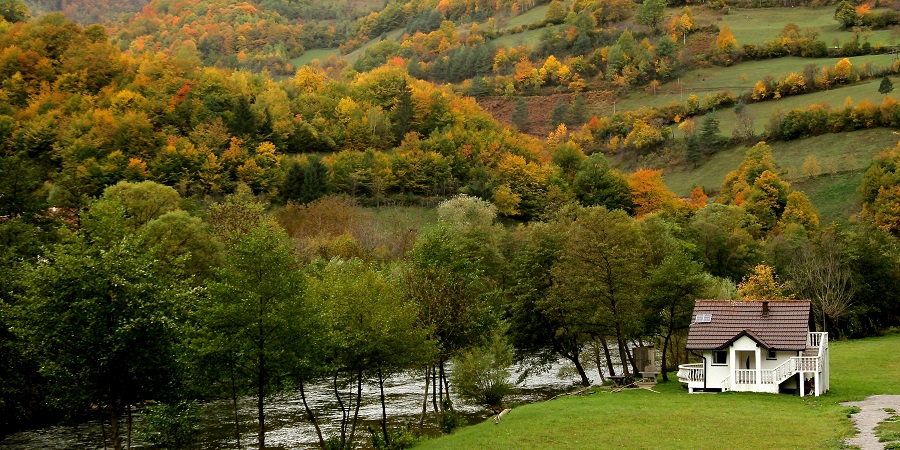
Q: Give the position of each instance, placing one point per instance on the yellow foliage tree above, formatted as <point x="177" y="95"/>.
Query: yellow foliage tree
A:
<point x="763" y="284"/>
<point x="649" y="193"/>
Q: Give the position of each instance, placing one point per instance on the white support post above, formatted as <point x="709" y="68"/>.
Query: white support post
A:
<point x="732" y="365"/>
<point x="758" y="366"/>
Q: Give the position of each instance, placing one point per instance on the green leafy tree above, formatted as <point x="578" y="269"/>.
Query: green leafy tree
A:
<point x="556" y="13"/>
<point x="369" y="331"/>
<point x="104" y="318"/>
<point x="596" y="184"/>
<point x="845" y="13"/>
<point x="481" y="374"/>
<point x="725" y="236"/>
<point x="255" y="311"/>
<point x="600" y="277"/>
<point x="672" y="288"/>
<point x="651" y="13"/>
<point x="14" y="10"/>
<point x="560" y="112"/>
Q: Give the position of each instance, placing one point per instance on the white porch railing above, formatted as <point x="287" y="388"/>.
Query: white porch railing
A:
<point x="745" y="376"/>
<point x="690" y="372"/>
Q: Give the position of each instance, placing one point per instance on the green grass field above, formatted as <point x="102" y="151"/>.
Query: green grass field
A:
<point x="674" y="419"/>
<point x="528" y="37"/>
<point x="757" y="25"/>
<point x="529" y="17"/>
<point x="316" y="53"/>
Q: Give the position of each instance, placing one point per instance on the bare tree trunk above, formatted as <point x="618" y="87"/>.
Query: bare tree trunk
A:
<point x="424" y="399"/>
<point x="311" y="416"/>
<point x="260" y="401"/>
<point x="356" y="410"/>
<point x="434" y="389"/>
<point x="337" y="396"/>
<point x="441" y="383"/>
<point x="608" y="355"/>
<point x="584" y="379"/>
<point x="128" y="440"/>
<point x="114" y="424"/>
<point x="664" y="369"/>
<point x="387" y="441"/>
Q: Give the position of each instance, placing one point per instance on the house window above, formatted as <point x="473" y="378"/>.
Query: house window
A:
<point x="772" y="354"/>
<point x="720" y="357"/>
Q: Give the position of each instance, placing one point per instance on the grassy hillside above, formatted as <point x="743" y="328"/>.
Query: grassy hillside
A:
<point x="674" y="419"/>
<point x="757" y="25"/>
<point x="842" y="157"/>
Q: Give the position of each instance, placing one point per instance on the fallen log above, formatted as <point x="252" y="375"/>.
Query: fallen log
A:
<point x="578" y="392"/>
<point x="502" y="413"/>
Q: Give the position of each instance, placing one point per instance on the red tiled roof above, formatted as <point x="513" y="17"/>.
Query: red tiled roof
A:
<point x="784" y="328"/>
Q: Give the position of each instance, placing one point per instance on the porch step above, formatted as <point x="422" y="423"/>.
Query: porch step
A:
<point x="811" y="351"/>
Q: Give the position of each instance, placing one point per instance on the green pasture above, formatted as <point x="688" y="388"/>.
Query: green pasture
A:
<point x="529" y="17"/>
<point x="762" y="111"/>
<point x="739" y="78"/>
<point x="757" y="25"/>
<point x="316" y="53"/>
<point x="834" y="196"/>
<point x="392" y="35"/>
<point x="674" y="419"/>
<point x="527" y="37"/>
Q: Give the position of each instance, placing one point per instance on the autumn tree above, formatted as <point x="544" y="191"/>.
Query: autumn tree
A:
<point x="819" y="272"/>
<point x="880" y="191"/>
<point x="649" y="193"/>
<point x="763" y="284"/>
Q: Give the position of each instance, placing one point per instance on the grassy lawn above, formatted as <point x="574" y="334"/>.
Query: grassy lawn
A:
<point x="757" y="25"/>
<point x="674" y="419"/>
<point x="834" y="196"/>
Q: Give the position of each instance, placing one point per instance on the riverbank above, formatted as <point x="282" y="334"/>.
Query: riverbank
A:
<point x="674" y="419"/>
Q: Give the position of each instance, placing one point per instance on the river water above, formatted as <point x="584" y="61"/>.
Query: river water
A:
<point x="286" y="425"/>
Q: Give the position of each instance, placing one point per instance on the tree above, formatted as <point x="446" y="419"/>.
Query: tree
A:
<point x="672" y="288"/>
<point x="14" y="10"/>
<point x="598" y="185"/>
<point x="886" y="86"/>
<point x="763" y="284"/>
<point x="726" y="43"/>
<point x="481" y="374"/>
<point x="725" y="239"/>
<point x="600" y="277"/>
<point x="306" y="181"/>
<point x="560" y="111"/>
<point x="651" y="13"/>
<point x="819" y="272"/>
<point x="105" y="321"/>
<point x="880" y="191"/>
<point x="846" y="14"/>
<point x="369" y="330"/>
<point x="649" y="193"/>
<point x="256" y="311"/>
<point x="520" y="117"/>
<point x="556" y="13"/>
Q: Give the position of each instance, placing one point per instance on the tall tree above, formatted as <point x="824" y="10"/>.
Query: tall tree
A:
<point x="255" y="306"/>
<point x="520" y="117"/>
<point x="600" y="276"/>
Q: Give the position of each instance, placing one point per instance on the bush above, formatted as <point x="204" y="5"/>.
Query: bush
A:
<point x="481" y="374"/>
<point x="170" y="425"/>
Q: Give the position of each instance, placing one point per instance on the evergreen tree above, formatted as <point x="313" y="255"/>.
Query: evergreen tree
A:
<point x="886" y="86"/>
<point x="520" y="117"/>
<point x="577" y="114"/>
<point x="560" y="111"/>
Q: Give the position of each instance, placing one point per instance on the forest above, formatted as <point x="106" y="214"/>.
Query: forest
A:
<point x="185" y="216"/>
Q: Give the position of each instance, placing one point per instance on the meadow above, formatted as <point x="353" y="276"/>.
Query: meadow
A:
<point x="674" y="419"/>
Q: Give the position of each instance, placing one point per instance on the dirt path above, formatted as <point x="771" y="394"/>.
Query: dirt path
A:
<point x="871" y="412"/>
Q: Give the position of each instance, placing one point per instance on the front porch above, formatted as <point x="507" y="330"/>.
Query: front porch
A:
<point x="813" y="363"/>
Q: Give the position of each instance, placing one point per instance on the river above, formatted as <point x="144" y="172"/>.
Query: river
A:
<point x="285" y="419"/>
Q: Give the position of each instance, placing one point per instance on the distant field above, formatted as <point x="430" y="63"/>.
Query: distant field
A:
<point x="738" y="78"/>
<point x="528" y="37"/>
<point x="316" y="53"/>
<point x="762" y="111"/>
<point x="757" y="25"/>
<point x="834" y="196"/>
<point x="533" y="15"/>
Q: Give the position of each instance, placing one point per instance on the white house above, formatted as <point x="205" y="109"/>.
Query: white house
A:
<point x="755" y="346"/>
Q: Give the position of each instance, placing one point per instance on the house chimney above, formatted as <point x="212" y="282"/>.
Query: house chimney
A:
<point x="765" y="309"/>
